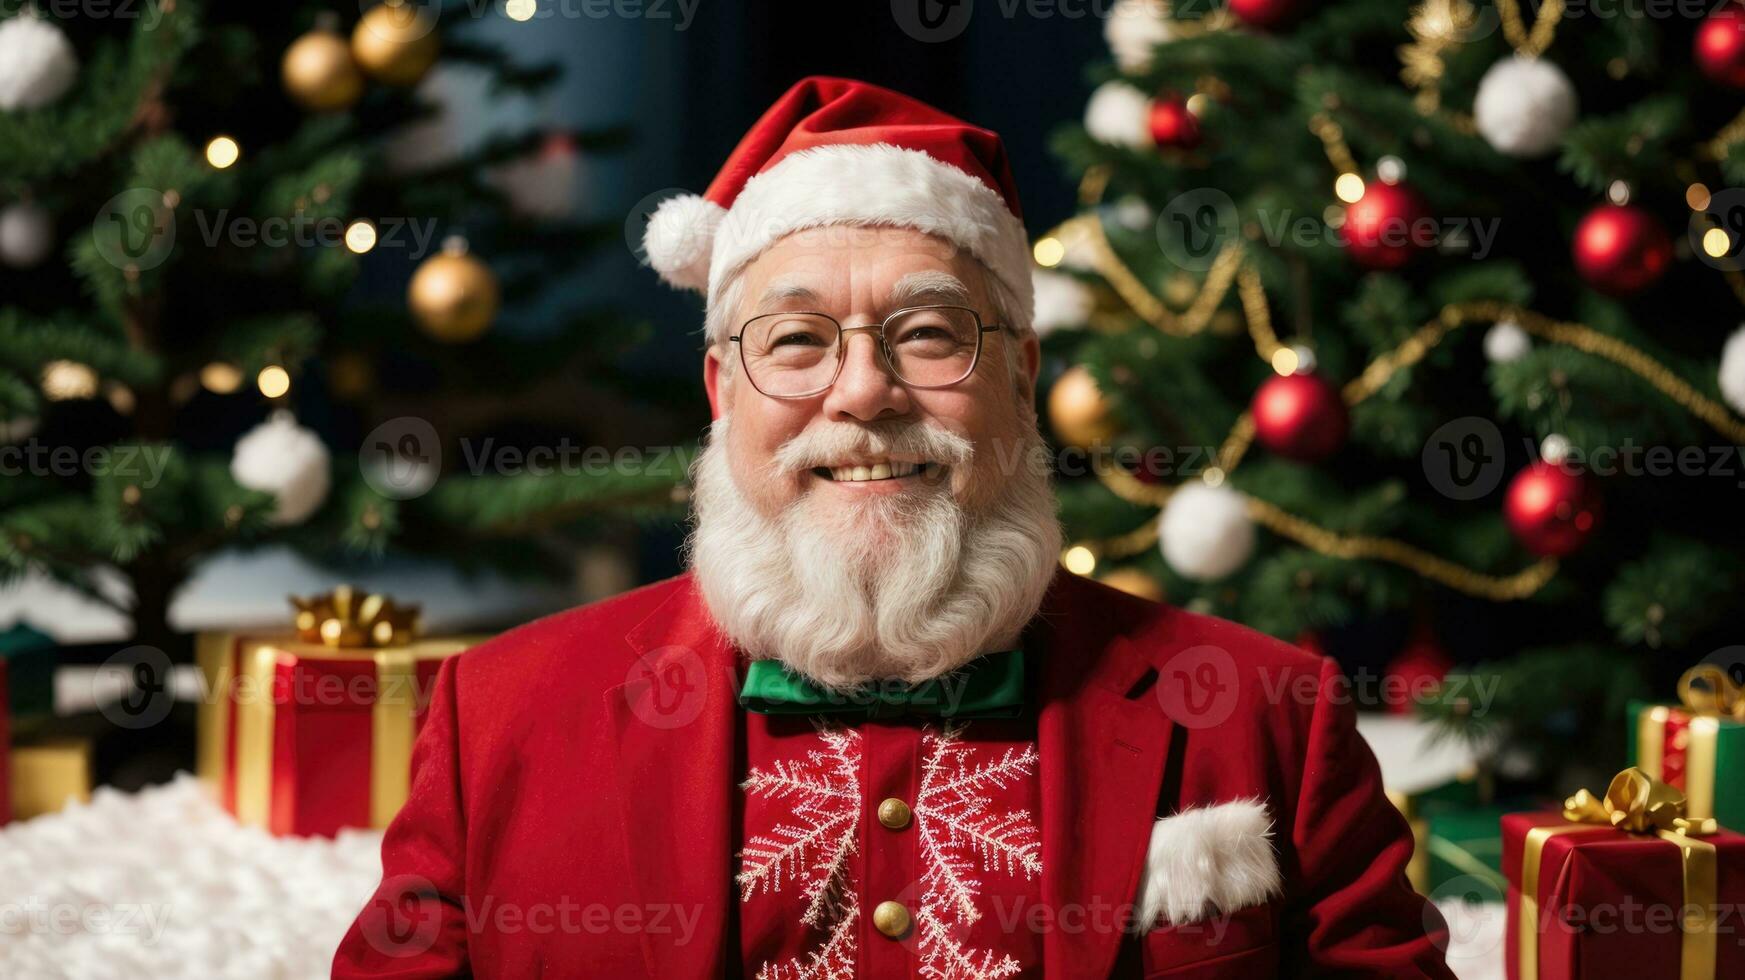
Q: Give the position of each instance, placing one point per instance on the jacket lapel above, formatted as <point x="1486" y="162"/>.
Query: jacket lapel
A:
<point x="1102" y="766"/>
<point x="672" y="726"/>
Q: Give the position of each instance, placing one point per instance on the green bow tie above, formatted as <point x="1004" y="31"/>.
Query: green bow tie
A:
<point x="991" y="686"/>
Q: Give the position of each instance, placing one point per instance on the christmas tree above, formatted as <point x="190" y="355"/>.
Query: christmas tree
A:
<point x="228" y="267"/>
<point x="1423" y="315"/>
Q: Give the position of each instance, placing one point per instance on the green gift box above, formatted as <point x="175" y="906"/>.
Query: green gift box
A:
<point x="1466" y="842"/>
<point x="1701" y="754"/>
<point x="30" y="656"/>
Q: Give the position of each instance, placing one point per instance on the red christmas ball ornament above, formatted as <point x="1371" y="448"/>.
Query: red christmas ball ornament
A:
<point x="1421" y="666"/>
<point x="1172" y="125"/>
<point x="1263" y="13"/>
<point x="1386" y="226"/>
<point x="1719" y="47"/>
<point x="1551" y="510"/>
<point x="1620" y="249"/>
<point x="1300" y="417"/>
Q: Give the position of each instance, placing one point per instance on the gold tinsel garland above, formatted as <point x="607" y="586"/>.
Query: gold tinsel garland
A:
<point x="1375" y="375"/>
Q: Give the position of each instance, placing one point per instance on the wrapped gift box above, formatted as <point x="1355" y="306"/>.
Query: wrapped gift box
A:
<point x="1698" y="745"/>
<point x="1465" y="844"/>
<point x="47" y="773"/>
<point x="1588" y="899"/>
<point x="300" y="737"/>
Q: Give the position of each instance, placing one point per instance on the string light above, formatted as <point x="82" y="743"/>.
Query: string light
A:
<point x="1285" y="361"/>
<point x="1348" y="188"/>
<point x="1049" y="251"/>
<point x="68" y="380"/>
<point x="222" y="152"/>
<point x="1717" y="243"/>
<point x="1079" y="560"/>
<point x="360" y="236"/>
<point x="220" y="378"/>
<point x="274" y="381"/>
<point x="520" y="10"/>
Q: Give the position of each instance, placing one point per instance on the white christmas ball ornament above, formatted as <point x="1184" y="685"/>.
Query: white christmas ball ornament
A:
<point x="1120" y="114"/>
<point x="1061" y="302"/>
<point x="1505" y="341"/>
<point x="1524" y="106"/>
<point x="27" y="234"/>
<point x="1733" y="370"/>
<point x="1135" y="27"/>
<point x="286" y="460"/>
<point x="1205" y="532"/>
<point x="37" y="63"/>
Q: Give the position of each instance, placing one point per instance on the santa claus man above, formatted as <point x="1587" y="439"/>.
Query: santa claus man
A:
<point x="876" y="731"/>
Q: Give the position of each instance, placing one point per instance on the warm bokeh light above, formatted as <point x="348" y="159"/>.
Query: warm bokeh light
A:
<point x="274" y="381"/>
<point x="1717" y="243"/>
<point x="1079" y="560"/>
<point x="522" y="10"/>
<point x="67" y="380"/>
<point x="1049" y="251"/>
<point x="222" y="152"/>
<point x="360" y="236"/>
<point x="220" y="378"/>
<point x="1349" y="188"/>
<point x="1697" y="196"/>
<point x="1285" y="361"/>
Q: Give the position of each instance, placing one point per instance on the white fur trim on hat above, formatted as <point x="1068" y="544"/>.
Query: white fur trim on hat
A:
<point x="679" y="237"/>
<point x="873" y="184"/>
<point x="1208" y="861"/>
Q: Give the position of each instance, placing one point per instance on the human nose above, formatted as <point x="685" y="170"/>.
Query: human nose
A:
<point x="866" y="388"/>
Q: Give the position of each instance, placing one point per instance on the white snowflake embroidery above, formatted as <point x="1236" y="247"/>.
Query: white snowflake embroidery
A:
<point x="961" y="836"/>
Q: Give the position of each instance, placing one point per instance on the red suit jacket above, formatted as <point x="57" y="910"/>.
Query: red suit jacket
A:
<point x="573" y="784"/>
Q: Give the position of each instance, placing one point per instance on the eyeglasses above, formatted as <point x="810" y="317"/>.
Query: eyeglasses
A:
<point x="795" y="355"/>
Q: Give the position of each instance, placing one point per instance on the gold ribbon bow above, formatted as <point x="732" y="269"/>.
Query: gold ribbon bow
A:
<point x="1637" y="804"/>
<point x="342" y="618"/>
<point x="1708" y="690"/>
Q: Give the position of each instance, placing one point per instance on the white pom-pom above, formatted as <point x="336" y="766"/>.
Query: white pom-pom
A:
<point x="1524" y="106"/>
<point x="1061" y="301"/>
<point x="27" y="234"/>
<point x="1120" y="114"/>
<point x="680" y="237"/>
<point x="1205" y="532"/>
<point x="1133" y="29"/>
<point x="1733" y="370"/>
<point x="37" y="63"/>
<point x="286" y="460"/>
<point x="1505" y="341"/>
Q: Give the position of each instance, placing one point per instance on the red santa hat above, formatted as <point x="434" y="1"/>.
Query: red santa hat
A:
<point x="835" y="151"/>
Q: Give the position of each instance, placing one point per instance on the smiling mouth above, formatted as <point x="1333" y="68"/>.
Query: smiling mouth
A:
<point x="871" y="472"/>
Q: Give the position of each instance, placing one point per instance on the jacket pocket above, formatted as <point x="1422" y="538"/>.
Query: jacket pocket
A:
<point x="1241" y="944"/>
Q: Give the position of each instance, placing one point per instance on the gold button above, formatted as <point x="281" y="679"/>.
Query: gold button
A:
<point x="894" y="813"/>
<point x="891" y="919"/>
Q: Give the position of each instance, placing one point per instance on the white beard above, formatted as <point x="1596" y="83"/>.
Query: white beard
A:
<point x="906" y="587"/>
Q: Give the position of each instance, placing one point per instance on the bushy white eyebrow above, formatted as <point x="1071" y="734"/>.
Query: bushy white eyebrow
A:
<point x="914" y="289"/>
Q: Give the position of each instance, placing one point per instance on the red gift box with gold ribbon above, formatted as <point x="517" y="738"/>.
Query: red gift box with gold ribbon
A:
<point x="1698" y="745"/>
<point x="1625" y="885"/>
<point x="309" y="732"/>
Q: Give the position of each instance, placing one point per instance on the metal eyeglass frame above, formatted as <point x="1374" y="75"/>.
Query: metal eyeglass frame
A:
<point x="884" y="346"/>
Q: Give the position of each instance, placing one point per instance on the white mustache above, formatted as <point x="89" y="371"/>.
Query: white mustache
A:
<point x="828" y="443"/>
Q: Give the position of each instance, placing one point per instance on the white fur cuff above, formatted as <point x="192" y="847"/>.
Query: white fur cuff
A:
<point x="1208" y="861"/>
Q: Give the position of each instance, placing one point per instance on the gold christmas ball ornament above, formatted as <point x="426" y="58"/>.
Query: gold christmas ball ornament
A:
<point x="453" y="296"/>
<point x="395" y="43"/>
<point x="319" y="74"/>
<point x="1078" y="411"/>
